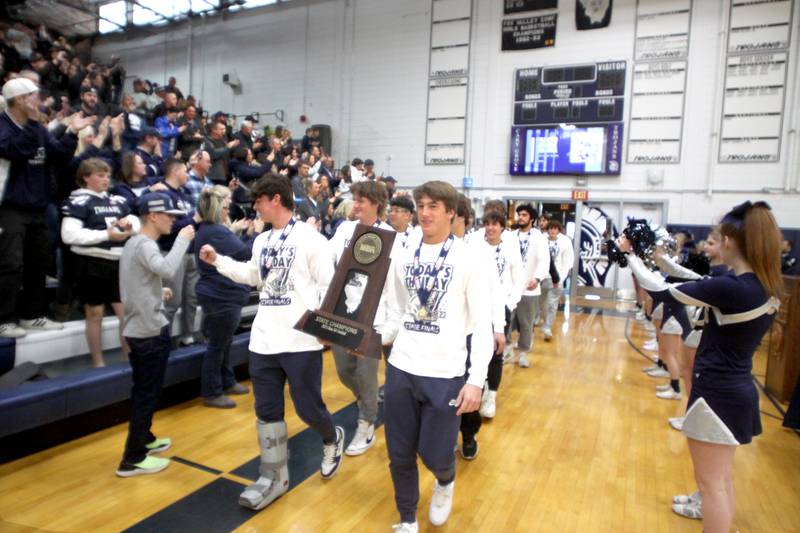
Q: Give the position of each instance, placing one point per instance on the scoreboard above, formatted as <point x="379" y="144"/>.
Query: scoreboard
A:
<point x="588" y="94"/>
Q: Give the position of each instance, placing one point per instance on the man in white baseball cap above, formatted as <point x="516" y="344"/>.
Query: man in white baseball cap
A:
<point x="18" y="87"/>
<point x="28" y="153"/>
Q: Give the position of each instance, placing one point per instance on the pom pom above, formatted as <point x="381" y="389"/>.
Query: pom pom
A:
<point x="615" y="255"/>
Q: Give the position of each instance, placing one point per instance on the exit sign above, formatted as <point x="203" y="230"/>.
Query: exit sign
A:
<point x="580" y="195"/>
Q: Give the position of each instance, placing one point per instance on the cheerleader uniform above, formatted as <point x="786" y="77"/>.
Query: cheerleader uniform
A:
<point x="723" y="407"/>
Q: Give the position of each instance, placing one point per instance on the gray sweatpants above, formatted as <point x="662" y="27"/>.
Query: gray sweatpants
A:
<point x="526" y="314"/>
<point x="551" y="296"/>
<point x="419" y="421"/>
<point x="360" y="375"/>
<point x="183" y="295"/>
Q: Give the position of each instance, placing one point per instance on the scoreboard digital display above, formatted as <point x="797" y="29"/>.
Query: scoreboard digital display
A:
<point x="587" y="93"/>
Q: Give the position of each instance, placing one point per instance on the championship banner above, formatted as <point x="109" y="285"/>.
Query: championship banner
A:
<point x="511" y="7"/>
<point x="592" y="14"/>
<point x="529" y="32"/>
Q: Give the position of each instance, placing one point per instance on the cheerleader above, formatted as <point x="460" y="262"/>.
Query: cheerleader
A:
<point x="723" y="410"/>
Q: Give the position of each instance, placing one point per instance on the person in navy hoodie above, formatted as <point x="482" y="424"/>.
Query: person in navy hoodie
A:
<point x="149" y="149"/>
<point x="29" y="153"/>
<point x="221" y="299"/>
<point x="183" y="282"/>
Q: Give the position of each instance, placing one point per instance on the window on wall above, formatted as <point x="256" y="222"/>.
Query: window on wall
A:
<point x="112" y="13"/>
<point x="163" y="11"/>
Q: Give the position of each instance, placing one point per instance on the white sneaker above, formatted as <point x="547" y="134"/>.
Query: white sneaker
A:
<point x="693" y="510"/>
<point x="547" y="334"/>
<point x="669" y="395"/>
<point x="10" y="330"/>
<point x="489" y="404"/>
<point x="332" y="455"/>
<point x="651" y="345"/>
<point x="649" y="369"/>
<point x="658" y="373"/>
<point x="640" y="316"/>
<point x="665" y="386"/>
<point x="406" y="527"/>
<point x="363" y="440"/>
<point x="441" y="503"/>
<point x="676" y="422"/>
<point x="508" y="354"/>
<point x="42" y="323"/>
<point x="687" y="498"/>
<point x="186" y="340"/>
<point x="523" y="360"/>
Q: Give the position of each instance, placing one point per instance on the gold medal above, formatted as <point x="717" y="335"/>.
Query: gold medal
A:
<point x="422" y="314"/>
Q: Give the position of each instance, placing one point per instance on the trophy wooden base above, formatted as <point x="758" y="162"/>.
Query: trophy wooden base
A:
<point x="356" y="338"/>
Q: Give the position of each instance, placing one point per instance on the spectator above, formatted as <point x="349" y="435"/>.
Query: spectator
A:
<point x="141" y="271"/>
<point x="221" y="299"/>
<point x="183" y="282"/>
<point x="168" y="101"/>
<point x="200" y="163"/>
<point x="149" y="149"/>
<point x="95" y="226"/>
<point x="309" y="207"/>
<point x="173" y="88"/>
<point x="245" y="136"/>
<point x="90" y="104"/>
<point x="788" y="260"/>
<point x="190" y="140"/>
<point x="167" y="126"/>
<point x="345" y="181"/>
<point x="391" y="185"/>
<point x="32" y="152"/>
<point x="344" y="211"/>
<point x="369" y="169"/>
<point x="220" y="152"/>
<point x="134" y="122"/>
<point x="357" y="170"/>
<point x="401" y="212"/>
<point x="135" y="182"/>
<point x="143" y="100"/>
<point x="303" y="170"/>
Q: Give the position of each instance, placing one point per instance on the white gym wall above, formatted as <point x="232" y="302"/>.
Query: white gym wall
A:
<point x="362" y="67"/>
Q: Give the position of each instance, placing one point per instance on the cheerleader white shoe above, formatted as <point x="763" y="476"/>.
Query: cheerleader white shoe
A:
<point x="687" y="498"/>
<point x="676" y="423"/>
<point x="658" y="373"/>
<point x="669" y="395"/>
<point x="688" y="510"/>
<point x="665" y="386"/>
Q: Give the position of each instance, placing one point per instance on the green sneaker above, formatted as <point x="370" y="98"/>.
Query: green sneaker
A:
<point x="158" y="445"/>
<point x="150" y="465"/>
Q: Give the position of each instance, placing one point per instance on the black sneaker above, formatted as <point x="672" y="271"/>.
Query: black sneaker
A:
<point x="469" y="450"/>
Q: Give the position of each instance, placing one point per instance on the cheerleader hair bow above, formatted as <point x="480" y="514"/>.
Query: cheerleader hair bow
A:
<point x="737" y="215"/>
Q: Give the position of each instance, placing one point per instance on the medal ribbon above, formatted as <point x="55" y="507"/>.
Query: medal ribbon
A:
<point x="424" y="293"/>
<point x="273" y="252"/>
<point x="523" y="245"/>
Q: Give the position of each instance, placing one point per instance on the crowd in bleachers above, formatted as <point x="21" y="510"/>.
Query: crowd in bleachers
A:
<point x="81" y="149"/>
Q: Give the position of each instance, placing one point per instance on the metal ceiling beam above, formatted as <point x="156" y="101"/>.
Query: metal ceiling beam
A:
<point x="88" y="11"/>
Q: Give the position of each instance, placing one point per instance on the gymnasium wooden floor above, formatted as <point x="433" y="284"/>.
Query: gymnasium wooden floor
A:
<point x="580" y="443"/>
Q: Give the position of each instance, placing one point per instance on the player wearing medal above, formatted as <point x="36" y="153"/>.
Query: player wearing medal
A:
<point x="471" y="422"/>
<point x="507" y="262"/>
<point x="536" y="258"/>
<point x="292" y="268"/>
<point x="438" y="295"/>
<point x="360" y="374"/>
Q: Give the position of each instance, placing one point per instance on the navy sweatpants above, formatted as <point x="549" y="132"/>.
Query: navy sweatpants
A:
<point x="303" y="370"/>
<point x="419" y="421"/>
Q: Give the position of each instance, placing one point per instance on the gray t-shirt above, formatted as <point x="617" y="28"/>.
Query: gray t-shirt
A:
<point x="141" y="269"/>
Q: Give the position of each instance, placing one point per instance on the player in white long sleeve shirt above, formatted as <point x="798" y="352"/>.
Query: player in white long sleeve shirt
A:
<point x="471" y="422"/>
<point x="360" y="374"/>
<point x="291" y="265"/>
<point x="507" y="264"/>
<point x="437" y="296"/>
<point x="536" y="258"/>
<point x="561" y="259"/>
